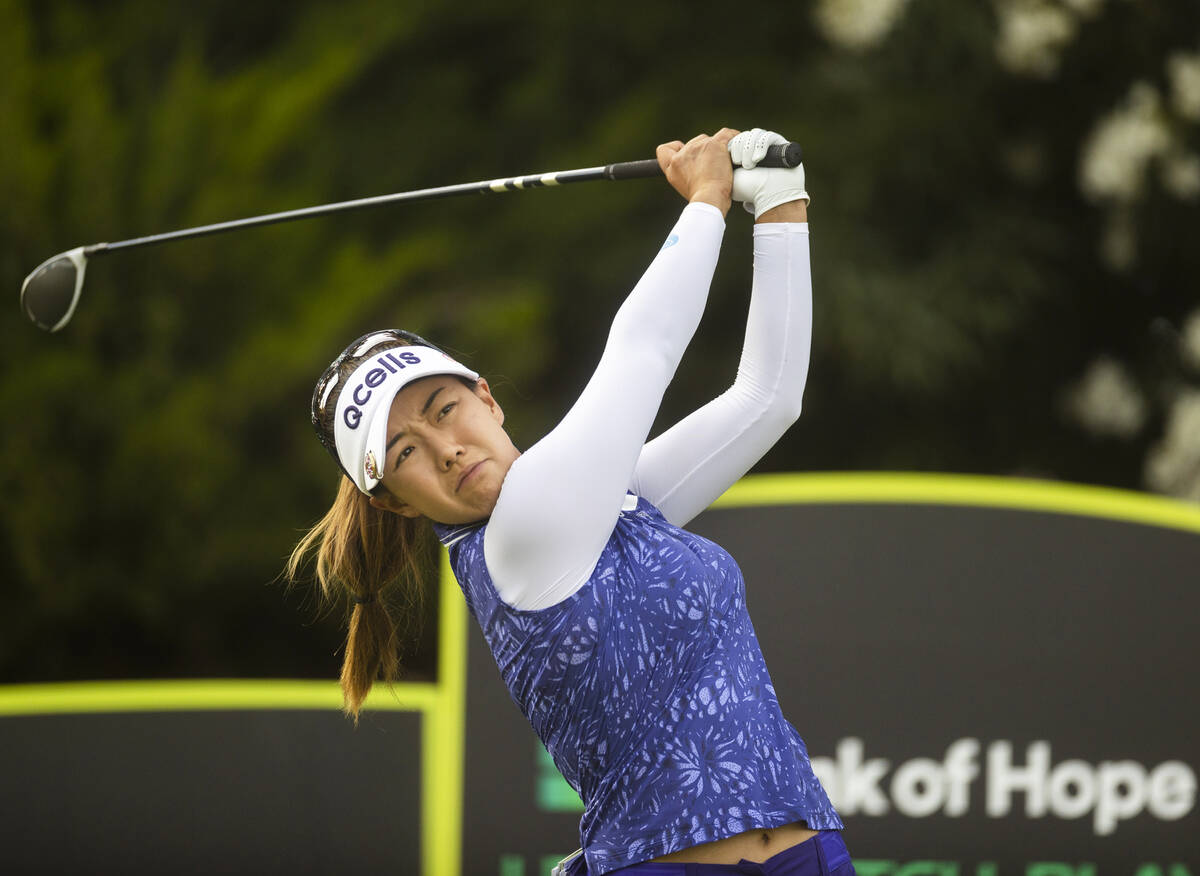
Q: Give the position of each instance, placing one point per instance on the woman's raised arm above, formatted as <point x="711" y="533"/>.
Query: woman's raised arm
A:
<point x="561" y="498"/>
<point x="686" y="468"/>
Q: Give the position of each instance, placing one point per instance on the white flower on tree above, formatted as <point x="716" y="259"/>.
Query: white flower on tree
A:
<point x="1173" y="465"/>
<point x="1032" y="35"/>
<point x="1181" y="175"/>
<point x="1115" y="156"/>
<point x="1184" y="72"/>
<point x="1106" y="401"/>
<point x="858" y="24"/>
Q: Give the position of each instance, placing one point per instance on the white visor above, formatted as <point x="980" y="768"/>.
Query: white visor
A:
<point x="360" y="424"/>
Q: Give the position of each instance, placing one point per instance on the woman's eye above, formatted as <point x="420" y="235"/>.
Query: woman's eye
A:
<point x="403" y="455"/>
<point x="446" y="410"/>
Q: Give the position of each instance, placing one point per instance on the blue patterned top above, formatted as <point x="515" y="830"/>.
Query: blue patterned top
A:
<point x="649" y="690"/>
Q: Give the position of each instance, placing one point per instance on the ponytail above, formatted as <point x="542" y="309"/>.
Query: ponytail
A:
<point x="378" y="558"/>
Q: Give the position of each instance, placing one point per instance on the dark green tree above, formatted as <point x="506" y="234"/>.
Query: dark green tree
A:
<point x="991" y="295"/>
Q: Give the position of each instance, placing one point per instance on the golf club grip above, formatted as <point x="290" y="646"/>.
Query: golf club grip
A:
<point x="782" y="155"/>
<point x="779" y="155"/>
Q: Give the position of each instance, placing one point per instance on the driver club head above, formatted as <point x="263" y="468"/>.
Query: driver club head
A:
<point x="51" y="291"/>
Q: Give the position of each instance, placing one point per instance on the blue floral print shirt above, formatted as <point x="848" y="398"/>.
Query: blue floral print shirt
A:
<point x="648" y="687"/>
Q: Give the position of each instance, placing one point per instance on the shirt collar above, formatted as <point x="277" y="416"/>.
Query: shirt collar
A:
<point x="448" y="534"/>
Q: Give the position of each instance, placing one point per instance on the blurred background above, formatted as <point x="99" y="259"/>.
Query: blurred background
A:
<point x="1004" y="235"/>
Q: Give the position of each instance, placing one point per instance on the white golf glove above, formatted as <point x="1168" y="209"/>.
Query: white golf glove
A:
<point x="760" y="189"/>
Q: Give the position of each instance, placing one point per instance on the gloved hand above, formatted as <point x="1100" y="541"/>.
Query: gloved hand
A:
<point x="762" y="188"/>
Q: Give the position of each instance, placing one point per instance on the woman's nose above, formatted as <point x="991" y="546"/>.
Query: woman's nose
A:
<point x="449" y="451"/>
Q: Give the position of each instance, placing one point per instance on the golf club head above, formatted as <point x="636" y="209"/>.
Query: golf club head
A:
<point x="50" y="293"/>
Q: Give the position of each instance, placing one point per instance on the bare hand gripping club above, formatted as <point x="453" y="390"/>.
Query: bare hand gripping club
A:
<point x="50" y="293"/>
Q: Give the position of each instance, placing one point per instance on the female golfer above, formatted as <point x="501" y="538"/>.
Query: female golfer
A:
<point x="624" y="639"/>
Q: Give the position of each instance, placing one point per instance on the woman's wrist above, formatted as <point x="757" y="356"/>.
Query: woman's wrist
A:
<point x="717" y="195"/>
<point x="792" y="211"/>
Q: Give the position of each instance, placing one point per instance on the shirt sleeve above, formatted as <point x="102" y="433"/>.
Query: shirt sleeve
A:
<point x="561" y="498"/>
<point x="687" y="467"/>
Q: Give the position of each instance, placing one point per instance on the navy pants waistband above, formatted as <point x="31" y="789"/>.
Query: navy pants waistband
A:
<point x="822" y="855"/>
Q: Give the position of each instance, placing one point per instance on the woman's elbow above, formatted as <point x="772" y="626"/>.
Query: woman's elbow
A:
<point x="770" y="413"/>
<point x="780" y="403"/>
<point x="783" y="413"/>
<point x="788" y="398"/>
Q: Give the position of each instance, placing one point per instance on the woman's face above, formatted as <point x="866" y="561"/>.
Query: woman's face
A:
<point x="447" y="451"/>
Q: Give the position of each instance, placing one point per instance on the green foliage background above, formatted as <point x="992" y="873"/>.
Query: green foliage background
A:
<point x="157" y="463"/>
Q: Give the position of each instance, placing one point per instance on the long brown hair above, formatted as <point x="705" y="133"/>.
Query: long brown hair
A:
<point x="377" y="559"/>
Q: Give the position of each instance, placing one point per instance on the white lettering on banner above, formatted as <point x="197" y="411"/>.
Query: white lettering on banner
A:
<point x="851" y="781"/>
<point x="922" y="786"/>
<point x="1111" y="791"/>
<point x="917" y="787"/>
<point x="1004" y="778"/>
<point x="1172" y="790"/>
<point x="961" y="770"/>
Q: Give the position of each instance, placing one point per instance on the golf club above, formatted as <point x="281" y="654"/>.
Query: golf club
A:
<point x="51" y="291"/>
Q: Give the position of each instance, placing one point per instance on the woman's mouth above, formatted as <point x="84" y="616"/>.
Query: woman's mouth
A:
<point x="467" y="474"/>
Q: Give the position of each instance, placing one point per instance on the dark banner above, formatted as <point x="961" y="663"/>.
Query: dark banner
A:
<point x="210" y="792"/>
<point x="983" y="691"/>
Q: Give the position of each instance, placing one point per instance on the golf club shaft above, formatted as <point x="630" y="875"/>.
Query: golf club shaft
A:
<point x="482" y="187"/>
<point x="784" y="155"/>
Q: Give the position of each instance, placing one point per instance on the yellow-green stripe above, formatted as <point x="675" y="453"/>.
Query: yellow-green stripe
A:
<point x="443" y="734"/>
<point x="199" y="694"/>
<point x="974" y="490"/>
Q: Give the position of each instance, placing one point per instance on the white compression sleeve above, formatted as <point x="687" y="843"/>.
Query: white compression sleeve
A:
<point x="687" y="467"/>
<point x="561" y="498"/>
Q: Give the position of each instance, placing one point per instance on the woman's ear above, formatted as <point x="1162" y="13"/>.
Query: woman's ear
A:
<point x="485" y="395"/>
<point x="388" y="502"/>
